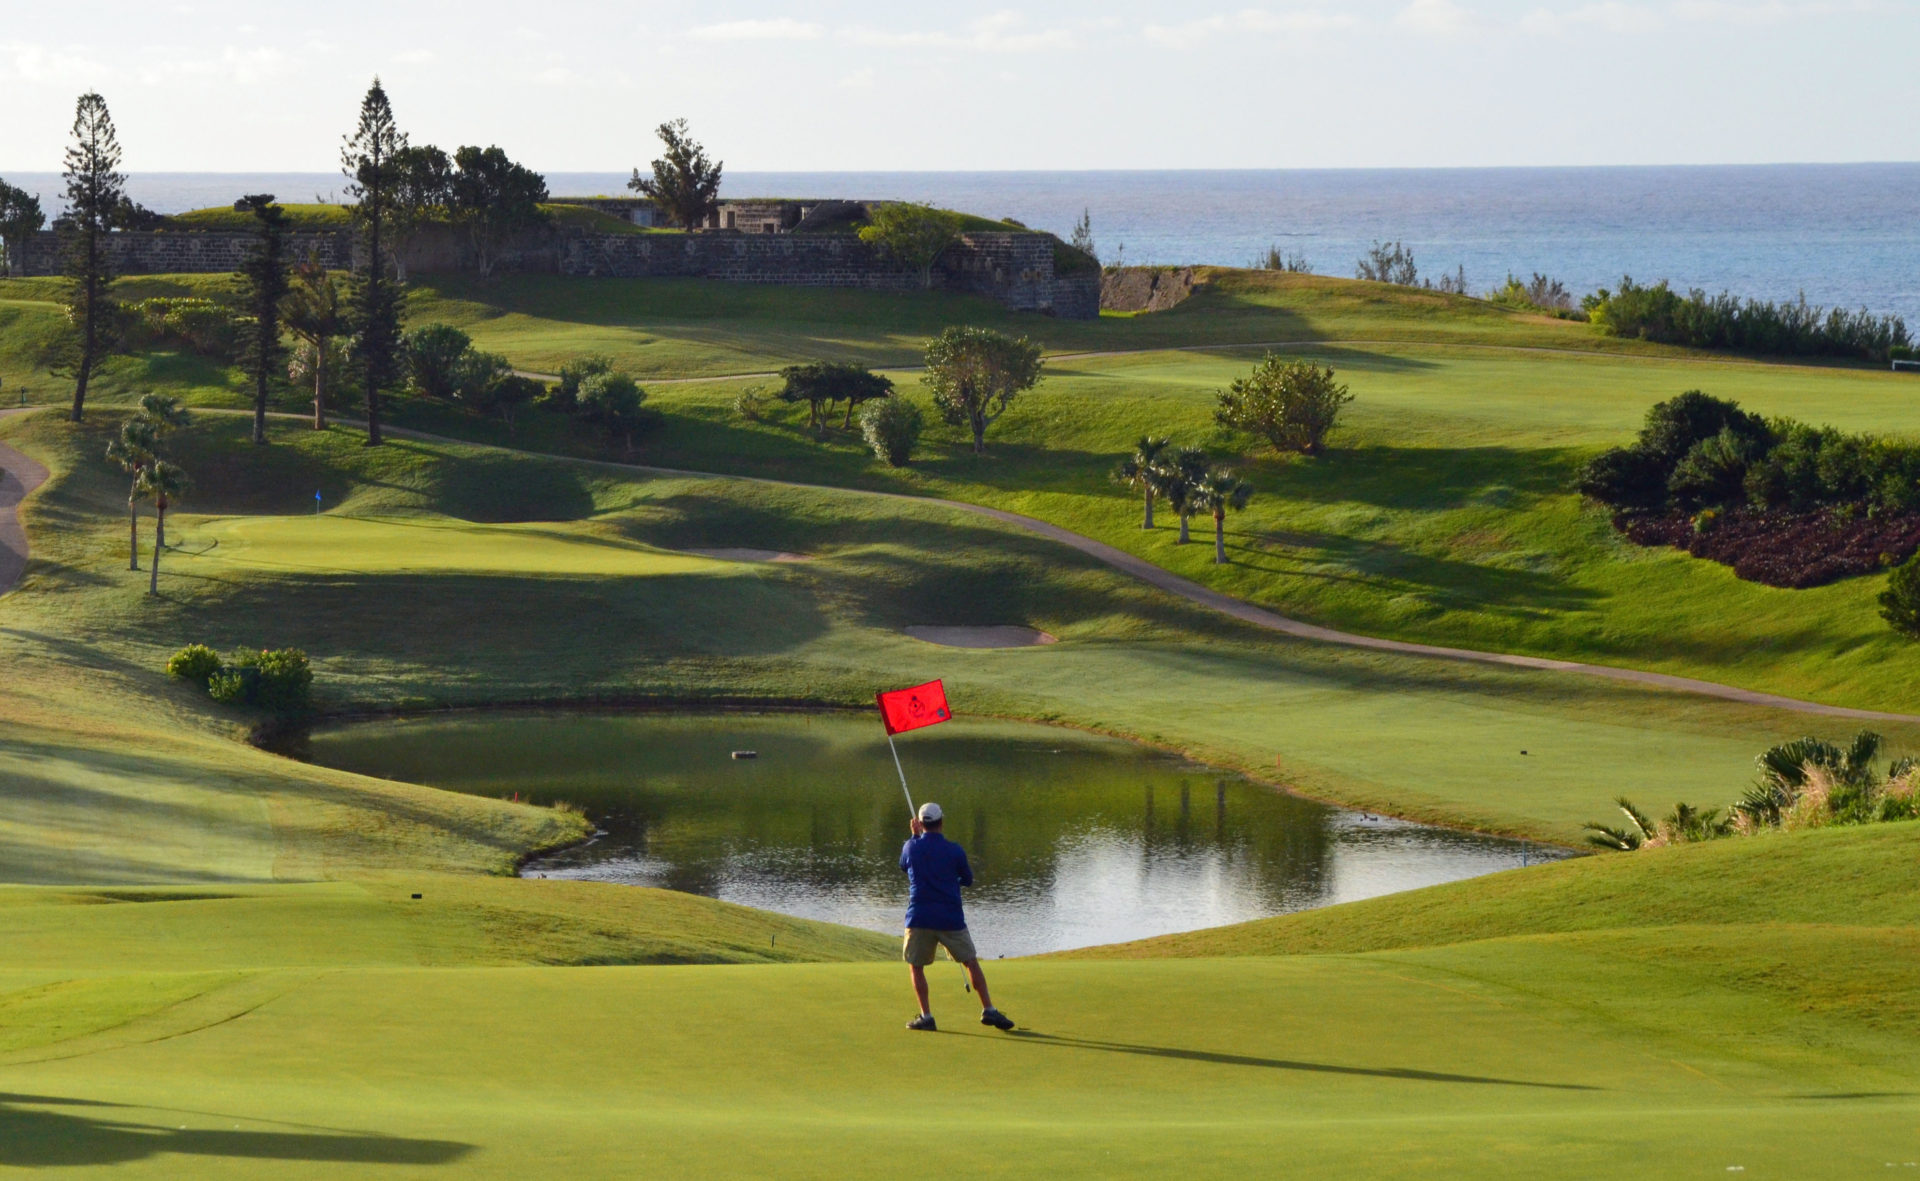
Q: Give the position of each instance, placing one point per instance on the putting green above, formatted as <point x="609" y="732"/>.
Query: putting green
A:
<point x="1523" y="1057"/>
<point x="324" y="544"/>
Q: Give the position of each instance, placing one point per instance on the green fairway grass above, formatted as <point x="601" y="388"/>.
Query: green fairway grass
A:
<point x="225" y="962"/>
<point x="459" y="613"/>
<point x="368" y="545"/>
<point x="1517" y="1058"/>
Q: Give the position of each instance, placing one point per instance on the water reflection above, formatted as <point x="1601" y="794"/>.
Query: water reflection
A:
<point x="1075" y="840"/>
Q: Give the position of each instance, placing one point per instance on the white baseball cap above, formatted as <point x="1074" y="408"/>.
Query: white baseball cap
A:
<point x="930" y="813"/>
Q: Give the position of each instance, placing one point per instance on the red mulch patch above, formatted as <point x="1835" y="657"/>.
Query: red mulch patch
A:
<point x="1783" y="548"/>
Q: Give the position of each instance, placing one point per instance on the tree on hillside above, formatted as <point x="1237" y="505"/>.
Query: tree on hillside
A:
<point x="1220" y="492"/>
<point x="135" y="450"/>
<point x="162" y="483"/>
<point x="95" y="191"/>
<point x="1082" y="239"/>
<point x="976" y="373"/>
<point x="317" y="317"/>
<point x="422" y="189"/>
<point x="140" y="445"/>
<point x="1900" y="602"/>
<point x="685" y="185"/>
<point x="914" y="235"/>
<point x="612" y="403"/>
<point x="432" y="356"/>
<point x="1291" y="404"/>
<point x="1176" y="476"/>
<point x="1136" y="470"/>
<point x="263" y="277"/>
<point x="367" y="158"/>
<point x="1388" y="262"/>
<point x="823" y="384"/>
<point x="492" y="199"/>
<point x="20" y="219"/>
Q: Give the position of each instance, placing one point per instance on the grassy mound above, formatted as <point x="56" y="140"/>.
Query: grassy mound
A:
<point x="1436" y="740"/>
<point x="1843" y="877"/>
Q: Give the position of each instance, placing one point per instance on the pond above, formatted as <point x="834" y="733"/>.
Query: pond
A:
<point x="1074" y="839"/>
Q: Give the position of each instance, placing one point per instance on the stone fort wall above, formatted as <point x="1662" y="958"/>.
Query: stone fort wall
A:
<point x="1012" y="268"/>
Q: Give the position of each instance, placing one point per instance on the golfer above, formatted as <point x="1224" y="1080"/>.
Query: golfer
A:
<point x="936" y="869"/>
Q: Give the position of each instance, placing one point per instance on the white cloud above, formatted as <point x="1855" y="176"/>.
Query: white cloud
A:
<point x="1000" y="32"/>
<point x="414" y="57"/>
<point x="244" y="67"/>
<point x="1248" y="20"/>
<point x="1611" y="17"/>
<point x="44" y="63"/>
<point x="859" y="79"/>
<point x="1434" y="16"/>
<point x="782" y="29"/>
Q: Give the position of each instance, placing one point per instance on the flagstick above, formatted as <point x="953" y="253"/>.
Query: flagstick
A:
<point x="903" y="774"/>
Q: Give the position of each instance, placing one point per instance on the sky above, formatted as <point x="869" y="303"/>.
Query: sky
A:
<point x="570" y="85"/>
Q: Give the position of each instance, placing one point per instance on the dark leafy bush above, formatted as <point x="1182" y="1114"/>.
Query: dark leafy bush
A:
<point x="565" y="396"/>
<point x="1714" y="471"/>
<point x="1675" y="426"/>
<point x="278" y="680"/>
<point x="1625" y="478"/>
<point x="1727" y="322"/>
<point x="199" y="326"/>
<point x="1900" y="602"/>
<point x="612" y="404"/>
<point x="891" y="426"/>
<point x="436" y="360"/>
<point x="195" y="662"/>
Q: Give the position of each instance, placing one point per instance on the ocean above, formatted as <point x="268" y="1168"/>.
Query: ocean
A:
<point x="1842" y="234"/>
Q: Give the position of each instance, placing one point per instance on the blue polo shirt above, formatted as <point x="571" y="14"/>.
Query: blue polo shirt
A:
<point x="936" y="868"/>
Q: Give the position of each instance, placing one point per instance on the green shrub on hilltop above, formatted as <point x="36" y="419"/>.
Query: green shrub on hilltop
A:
<point x="1725" y="321"/>
<point x="891" y="427"/>
<point x="1291" y="404"/>
<point x="195" y="662"/>
<point x="278" y="680"/>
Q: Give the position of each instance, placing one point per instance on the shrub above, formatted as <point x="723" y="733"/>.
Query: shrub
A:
<point x="1292" y="404"/>
<point x="891" y="426"/>
<point x="752" y="403"/>
<point x="611" y="403"/>
<point x="198" y="325"/>
<point x="1725" y="321"/>
<point x="285" y="681"/>
<point x="1714" y="471"/>
<point x="1388" y="262"/>
<point x="436" y="360"/>
<point x="279" y="680"/>
<point x="1900" y="602"/>
<point x="195" y="662"/>
<point x="1625" y="478"/>
<point x="232" y="686"/>
<point x="565" y="397"/>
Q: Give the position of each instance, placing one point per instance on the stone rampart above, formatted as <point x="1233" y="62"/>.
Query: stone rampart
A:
<point x="1012" y="268"/>
<point x="181" y="253"/>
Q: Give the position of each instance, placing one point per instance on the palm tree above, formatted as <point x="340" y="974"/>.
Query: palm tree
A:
<point x="316" y="315"/>
<point x="163" y="483"/>
<point x="1624" y="840"/>
<point x="1218" y="492"/>
<point x="1175" y="478"/>
<point x="1784" y="770"/>
<point x="164" y="411"/>
<point x="135" y="451"/>
<point x="1136" y="471"/>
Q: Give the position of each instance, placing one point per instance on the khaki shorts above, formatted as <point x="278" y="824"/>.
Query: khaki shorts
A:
<point x="921" y="942"/>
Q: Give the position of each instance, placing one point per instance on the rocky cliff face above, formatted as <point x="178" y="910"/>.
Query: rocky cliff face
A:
<point x="1145" y="289"/>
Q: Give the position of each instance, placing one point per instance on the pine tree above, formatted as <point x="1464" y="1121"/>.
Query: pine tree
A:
<point x="95" y="193"/>
<point x="264" y="274"/>
<point x="368" y="159"/>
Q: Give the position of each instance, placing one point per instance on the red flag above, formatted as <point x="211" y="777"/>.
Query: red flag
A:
<point x="910" y="709"/>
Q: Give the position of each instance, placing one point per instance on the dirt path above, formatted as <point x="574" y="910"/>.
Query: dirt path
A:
<point x="18" y="476"/>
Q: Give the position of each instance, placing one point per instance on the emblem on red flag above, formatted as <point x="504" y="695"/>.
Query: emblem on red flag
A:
<point x="910" y="709"/>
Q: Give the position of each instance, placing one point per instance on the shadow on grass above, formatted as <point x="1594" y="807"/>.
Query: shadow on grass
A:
<point x="32" y="1138"/>
<point x="1388" y="1072"/>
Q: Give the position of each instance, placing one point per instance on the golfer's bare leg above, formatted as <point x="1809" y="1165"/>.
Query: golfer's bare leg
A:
<point x="979" y="985"/>
<point x="919" y="975"/>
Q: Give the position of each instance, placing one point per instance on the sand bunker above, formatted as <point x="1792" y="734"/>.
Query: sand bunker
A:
<point x="981" y="637"/>
<point x="737" y="554"/>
